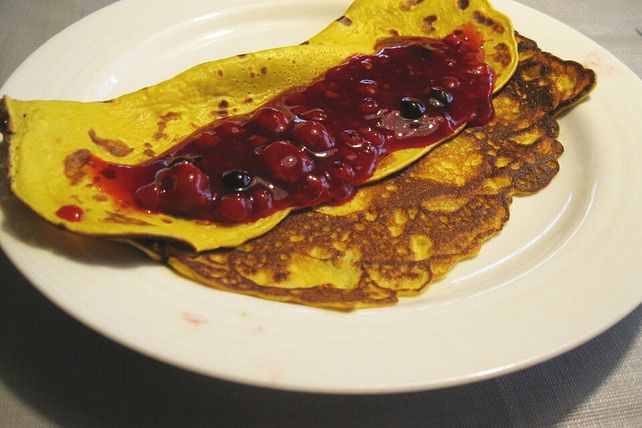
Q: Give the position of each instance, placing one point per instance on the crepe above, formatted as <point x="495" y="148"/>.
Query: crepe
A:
<point x="401" y="234"/>
<point x="50" y="142"/>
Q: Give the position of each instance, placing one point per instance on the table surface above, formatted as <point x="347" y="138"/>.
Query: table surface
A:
<point x="56" y="372"/>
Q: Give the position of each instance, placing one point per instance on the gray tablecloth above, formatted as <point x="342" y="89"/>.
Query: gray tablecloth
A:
<point x="56" y="372"/>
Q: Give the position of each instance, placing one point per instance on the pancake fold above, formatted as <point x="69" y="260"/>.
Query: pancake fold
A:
<point x="50" y="142"/>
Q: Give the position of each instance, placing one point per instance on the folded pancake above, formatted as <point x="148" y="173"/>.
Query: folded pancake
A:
<point x="50" y="141"/>
<point x="398" y="235"/>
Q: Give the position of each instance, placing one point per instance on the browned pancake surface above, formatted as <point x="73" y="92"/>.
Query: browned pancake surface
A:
<point x="399" y="235"/>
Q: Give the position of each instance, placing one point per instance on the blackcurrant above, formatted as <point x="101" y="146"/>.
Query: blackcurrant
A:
<point x="237" y="179"/>
<point x="439" y="97"/>
<point x="411" y="108"/>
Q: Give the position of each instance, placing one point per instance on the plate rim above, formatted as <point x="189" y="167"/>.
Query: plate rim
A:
<point x="420" y="385"/>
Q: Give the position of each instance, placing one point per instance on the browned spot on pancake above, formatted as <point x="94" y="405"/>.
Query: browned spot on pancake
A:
<point x="406" y="5"/>
<point x="74" y="165"/>
<point x="252" y="74"/>
<point x="162" y="124"/>
<point x="241" y="55"/>
<point x="307" y="42"/>
<point x="248" y="100"/>
<point x="429" y="23"/>
<point x="5" y="126"/>
<point x="167" y="220"/>
<point x="488" y="22"/>
<point x="463" y="4"/>
<point x="223" y="104"/>
<point x="264" y="70"/>
<point x="220" y="73"/>
<point x="393" y="32"/>
<point x="502" y="54"/>
<point x="114" y="217"/>
<point x="114" y="147"/>
<point x="222" y="113"/>
<point x="281" y="276"/>
<point x="149" y="152"/>
<point x="169" y="116"/>
<point x="100" y="198"/>
<point x="345" y="21"/>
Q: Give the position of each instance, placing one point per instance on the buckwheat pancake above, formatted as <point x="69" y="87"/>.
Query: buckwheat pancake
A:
<point x="399" y="235"/>
<point x="50" y="143"/>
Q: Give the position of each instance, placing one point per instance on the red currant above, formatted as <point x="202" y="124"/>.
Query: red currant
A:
<point x="313" y="136"/>
<point x="286" y="161"/>
<point x="234" y="207"/>
<point x="184" y="187"/>
<point x="271" y="121"/>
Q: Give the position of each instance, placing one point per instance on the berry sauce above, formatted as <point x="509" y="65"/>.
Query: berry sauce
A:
<point x="71" y="213"/>
<point x="315" y="144"/>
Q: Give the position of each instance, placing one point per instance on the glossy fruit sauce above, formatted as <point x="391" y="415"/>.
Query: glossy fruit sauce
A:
<point x="71" y="213"/>
<point x="315" y="144"/>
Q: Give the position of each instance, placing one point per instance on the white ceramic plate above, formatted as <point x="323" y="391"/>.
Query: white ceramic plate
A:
<point x="565" y="268"/>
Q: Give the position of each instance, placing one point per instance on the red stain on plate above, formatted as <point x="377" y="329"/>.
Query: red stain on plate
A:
<point x="594" y="61"/>
<point x="259" y="329"/>
<point x="275" y="376"/>
<point x="275" y="379"/>
<point x="193" y="319"/>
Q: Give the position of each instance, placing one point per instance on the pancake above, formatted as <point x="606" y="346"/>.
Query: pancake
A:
<point x="399" y="235"/>
<point x="50" y="142"/>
